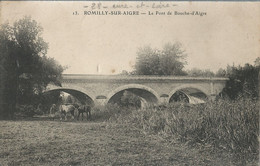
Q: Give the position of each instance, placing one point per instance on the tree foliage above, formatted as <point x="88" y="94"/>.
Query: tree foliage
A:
<point x="25" y="68"/>
<point x="195" y="72"/>
<point x="130" y="100"/>
<point x="243" y="81"/>
<point x="168" y="61"/>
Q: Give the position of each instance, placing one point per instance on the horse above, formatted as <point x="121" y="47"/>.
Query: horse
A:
<point x="86" y="109"/>
<point x="65" y="109"/>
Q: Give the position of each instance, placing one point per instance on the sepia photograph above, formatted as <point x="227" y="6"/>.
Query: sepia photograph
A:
<point x="129" y="83"/>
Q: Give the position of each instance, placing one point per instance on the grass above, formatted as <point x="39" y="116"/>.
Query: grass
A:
<point x="217" y="133"/>
<point x="93" y="143"/>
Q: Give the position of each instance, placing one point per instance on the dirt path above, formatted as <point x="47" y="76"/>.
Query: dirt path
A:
<point x="75" y="143"/>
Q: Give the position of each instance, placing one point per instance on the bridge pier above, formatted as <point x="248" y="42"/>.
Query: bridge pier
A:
<point x="213" y="97"/>
<point x="100" y="102"/>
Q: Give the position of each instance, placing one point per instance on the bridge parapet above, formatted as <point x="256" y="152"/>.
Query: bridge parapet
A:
<point x="78" y="77"/>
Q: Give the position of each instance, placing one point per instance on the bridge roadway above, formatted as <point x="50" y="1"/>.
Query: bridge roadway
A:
<point x="102" y="89"/>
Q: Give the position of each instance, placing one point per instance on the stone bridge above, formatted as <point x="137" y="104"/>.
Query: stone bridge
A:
<point x="103" y="89"/>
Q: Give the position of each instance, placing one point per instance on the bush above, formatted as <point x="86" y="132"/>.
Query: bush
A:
<point x="110" y="112"/>
<point x="25" y="110"/>
<point x="129" y="99"/>
<point x="39" y="112"/>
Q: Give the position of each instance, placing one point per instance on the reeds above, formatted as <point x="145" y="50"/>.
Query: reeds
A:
<point x="232" y="126"/>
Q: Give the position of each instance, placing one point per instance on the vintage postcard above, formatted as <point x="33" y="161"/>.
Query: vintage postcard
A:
<point x="129" y="82"/>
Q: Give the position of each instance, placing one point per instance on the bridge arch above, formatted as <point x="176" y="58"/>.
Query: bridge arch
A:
<point x="81" y="96"/>
<point x="72" y="87"/>
<point x="194" y="87"/>
<point x="154" y="95"/>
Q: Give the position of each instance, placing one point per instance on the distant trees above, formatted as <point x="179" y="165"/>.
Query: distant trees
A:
<point x="221" y="72"/>
<point x="124" y="73"/>
<point x="129" y="99"/>
<point x="195" y="72"/>
<point x="257" y="61"/>
<point x="168" y="61"/>
<point x="25" y="68"/>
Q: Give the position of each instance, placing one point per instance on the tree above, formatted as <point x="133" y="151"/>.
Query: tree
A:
<point x="243" y="81"/>
<point x="124" y="73"/>
<point x="25" y="68"/>
<point x="168" y="61"/>
<point x="129" y="99"/>
<point x="8" y="70"/>
<point x="200" y="73"/>
<point x="221" y="73"/>
<point x="257" y="62"/>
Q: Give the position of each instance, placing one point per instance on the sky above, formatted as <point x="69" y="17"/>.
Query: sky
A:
<point x="229" y="33"/>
